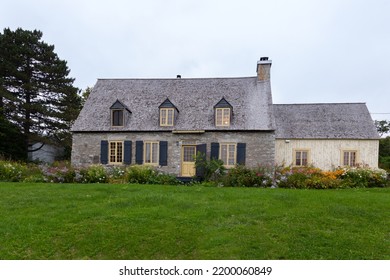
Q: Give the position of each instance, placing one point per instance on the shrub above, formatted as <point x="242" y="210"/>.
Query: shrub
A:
<point x="59" y="172"/>
<point x="242" y="176"/>
<point x="94" y="174"/>
<point x="209" y="170"/>
<point x="141" y="174"/>
<point x="117" y="174"/>
<point x="310" y="178"/>
<point x="13" y="171"/>
<point x="364" y="178"/>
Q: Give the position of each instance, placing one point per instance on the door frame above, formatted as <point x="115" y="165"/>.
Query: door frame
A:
<point x="182" y="159"/>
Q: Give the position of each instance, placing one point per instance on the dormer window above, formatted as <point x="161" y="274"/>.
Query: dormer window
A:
<point x="166" y="116"/>
<point x="118" y="110"/>
<point x="222" y="116"/>
<point x="223" y="113"/>
<point x="117" y="117"/>
<point x="167" y="113"/>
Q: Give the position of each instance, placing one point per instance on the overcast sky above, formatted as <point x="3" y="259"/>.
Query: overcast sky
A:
<point x="321" y="51"/>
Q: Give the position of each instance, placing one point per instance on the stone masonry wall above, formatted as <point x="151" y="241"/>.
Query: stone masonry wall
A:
<point x="260" y="146"/>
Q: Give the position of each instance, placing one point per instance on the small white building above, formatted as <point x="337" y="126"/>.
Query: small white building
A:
<point x="47" y="153"/>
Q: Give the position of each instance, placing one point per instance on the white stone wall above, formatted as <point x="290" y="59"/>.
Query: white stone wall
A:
<point x="327" y="154"/>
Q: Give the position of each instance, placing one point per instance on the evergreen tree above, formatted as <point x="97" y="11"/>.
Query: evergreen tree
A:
<point x="36" y="94"/>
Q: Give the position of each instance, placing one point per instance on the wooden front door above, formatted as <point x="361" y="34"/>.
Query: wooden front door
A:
<point x="188" y="153"/>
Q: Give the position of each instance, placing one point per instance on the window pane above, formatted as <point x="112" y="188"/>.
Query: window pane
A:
<point x="154" y="153"/>
<point x="219" y="117"/>
<point x="352" y="160"/>
<point x="163" y="116"/>
<point x="112" y="152"/>
<point x="170" y="117"/>
<point x="120" y="118"/>
<point x="298" y="158"/>
<point x="189" y="153"/>
<point x="232" y="152"/>
<point x="346" y="158"/>
<point x="304" y="158"/>
<point x="226" y="116"/>
<point x="119" y="152"/>
<point x="147" y="153"/>
<point x="224" y="154"/>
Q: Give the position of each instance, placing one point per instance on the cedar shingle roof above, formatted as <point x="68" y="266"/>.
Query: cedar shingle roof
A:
<point x="324" y="121"/>
<point x="194" y="98"/>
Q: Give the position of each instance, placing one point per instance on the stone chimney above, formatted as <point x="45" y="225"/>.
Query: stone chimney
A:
<point x="263" y="69"/>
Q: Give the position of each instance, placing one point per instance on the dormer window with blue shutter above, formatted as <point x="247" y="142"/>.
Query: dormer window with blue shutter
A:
<point x="223" y="113"/>
<point x="168" y="113"/>
<point x="118" y="111"/>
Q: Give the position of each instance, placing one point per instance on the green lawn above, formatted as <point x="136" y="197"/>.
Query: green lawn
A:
<point x="74" y="221"/>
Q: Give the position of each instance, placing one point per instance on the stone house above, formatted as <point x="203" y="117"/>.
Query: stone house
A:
<point x="165" y="122"/>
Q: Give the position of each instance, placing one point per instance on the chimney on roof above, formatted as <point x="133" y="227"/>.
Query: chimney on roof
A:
<point x="263" y="69"/>
<point x="178" y="76"/>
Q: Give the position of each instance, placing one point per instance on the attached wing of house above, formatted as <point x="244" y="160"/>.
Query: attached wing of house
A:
<point x="325" y="135"/>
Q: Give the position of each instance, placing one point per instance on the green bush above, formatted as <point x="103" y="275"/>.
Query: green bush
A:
<point x="384" y="162"/>
<point x="209" y="170"/>
<point x="94" y="174"/>
<point x="242" y="176"/>
<point x="295" y="181"/>
<point x="13" y="171"/>
<point x="365" y="178"/>
<point x="141" y="174"/>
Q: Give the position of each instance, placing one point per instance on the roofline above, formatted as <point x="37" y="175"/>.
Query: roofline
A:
<point x="175" y="79"/>
<point x="170" y="131"/>
<point x="330" y="103"/>
<point x="320" y="138"/>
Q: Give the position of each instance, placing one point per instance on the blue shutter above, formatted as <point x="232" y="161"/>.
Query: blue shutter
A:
<point x="163" y="157"/>
<point x="127" y="152"/>
<point x="139" y="152"/>
<point x="104" y="152"/>
<point x="241" y="153"/>
<point x="214" y="153"/>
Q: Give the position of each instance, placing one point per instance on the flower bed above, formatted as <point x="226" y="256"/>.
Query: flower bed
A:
<point x="240" y="176"/>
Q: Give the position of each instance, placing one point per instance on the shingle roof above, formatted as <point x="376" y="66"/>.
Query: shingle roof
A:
<point x="324" y="121"/>
<point x="194" y="98"/>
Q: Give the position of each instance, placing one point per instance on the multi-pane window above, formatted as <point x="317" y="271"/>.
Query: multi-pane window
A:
<point x="117" y="117"/>
<point x="166" y="116"/>
<point x="151" y="152"/>
<point x="116" y="152"/>
<point x="222" y="116"/>
<point x="228" y="154"/>
<point x="301" y="158"/>
<point x="349" y="158"/>
<point x="189" y="153"/>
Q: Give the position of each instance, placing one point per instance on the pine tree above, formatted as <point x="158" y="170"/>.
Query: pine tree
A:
<point x="36" y="93"/>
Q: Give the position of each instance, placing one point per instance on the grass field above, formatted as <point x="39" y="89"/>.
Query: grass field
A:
<point x="69" y="221"/>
